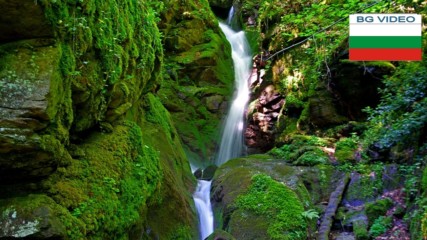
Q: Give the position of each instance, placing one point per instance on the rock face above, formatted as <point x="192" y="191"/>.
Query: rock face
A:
<point x="262" y="116"/>
<point x="32" y="92"/>
<point x="87" y="150"/>
<point x="24" y="20"/>
<point x="199" y="75"/>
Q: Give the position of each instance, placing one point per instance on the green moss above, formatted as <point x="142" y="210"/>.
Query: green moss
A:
<point x="105" y="44"/>
<point x="268" y="198"/>
<point x="345" y="149"/>
<point x="377" y="208"/>
<point x="311" y="158"/>
<point x="303" y="150"/>
<point x="198" y="65"/>
<point x="117" y="175"/>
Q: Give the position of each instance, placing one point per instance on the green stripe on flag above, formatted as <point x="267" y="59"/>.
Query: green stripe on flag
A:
<point x="385" y="42"/>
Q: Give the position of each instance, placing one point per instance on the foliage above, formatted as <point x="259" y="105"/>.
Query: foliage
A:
<point x="377" y="208"/>
<point x="310" y="214"/>
<point x="380" y="226"/>
<point x="360" y="230"/>
<point x="277" y="202"/>
<point x="402" y="112"/>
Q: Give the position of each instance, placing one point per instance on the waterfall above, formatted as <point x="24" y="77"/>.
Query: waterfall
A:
<point x="230" y="16"/>
<point x="204" y="208"/>
<point x="232" y="145"/>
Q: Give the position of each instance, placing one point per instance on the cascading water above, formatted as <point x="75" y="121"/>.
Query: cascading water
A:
<point x="232" y="134"/>
<point x="204" y="208"/>
<point x="232" y="145"/>
<point x="230" y="16"/>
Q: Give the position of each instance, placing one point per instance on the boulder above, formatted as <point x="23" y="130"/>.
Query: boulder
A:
<point x="220" y="235"/>
<point x="246" y="215"/>
<point x="32" y="217"/>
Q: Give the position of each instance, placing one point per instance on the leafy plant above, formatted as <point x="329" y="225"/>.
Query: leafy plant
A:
<point x="380" y="226"/>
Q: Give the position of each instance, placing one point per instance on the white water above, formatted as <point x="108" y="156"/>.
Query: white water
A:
<point x="232" y="145"/>
<point x="230" y="16"/>
<point x="204" y="208"/>
<point x="232" y="135"/>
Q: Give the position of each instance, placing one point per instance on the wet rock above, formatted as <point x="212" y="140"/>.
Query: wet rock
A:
<point x="220" y="235"/>
<point x="198" y="173"/>
<point x="361" y="189"/>
<point x="205" y="174"/>
<point x="199" y="79"/>
<point x="209" y="172"/>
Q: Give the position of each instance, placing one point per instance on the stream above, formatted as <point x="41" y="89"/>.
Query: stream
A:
<point x="232" y="144"/>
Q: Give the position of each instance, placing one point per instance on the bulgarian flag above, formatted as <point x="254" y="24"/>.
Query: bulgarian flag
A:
<point x="385" y="37"/>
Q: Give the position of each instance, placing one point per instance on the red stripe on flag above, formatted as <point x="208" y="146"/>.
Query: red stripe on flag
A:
<point x="389" y="54"/>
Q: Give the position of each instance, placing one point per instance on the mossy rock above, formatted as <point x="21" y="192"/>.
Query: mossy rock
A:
<point x="269" y="209"/>
<point x="36" y="111"/>
<point x="33" y="216"/>
<point x="220" y="235"/>
<point x="303" y="150"/>
<point x="234" y="179"/>
<point x="378" y="208"/>
<point x="198" y="76"/>
<point x="345" y="150"/>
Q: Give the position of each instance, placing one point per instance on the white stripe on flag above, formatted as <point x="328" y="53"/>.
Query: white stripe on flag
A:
<point x="385" y="30"/>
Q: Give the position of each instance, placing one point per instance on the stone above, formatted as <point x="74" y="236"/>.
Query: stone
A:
<point x="23" y="19"/>
<point x="219" y="234"/>
<point x="32" y="217"/>
<point x="209" y="172"/>
<point x="33" y="96"/>
<point x="313" y="185"/>
<point x="213" y="103"/>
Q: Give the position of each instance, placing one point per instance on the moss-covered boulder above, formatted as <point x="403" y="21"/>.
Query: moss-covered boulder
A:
<point x="250" y="194"/>
<point x="32" y="217"/>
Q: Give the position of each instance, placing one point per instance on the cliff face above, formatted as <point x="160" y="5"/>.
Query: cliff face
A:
<point x="198" y="79"/>
<point x="87" y="150"/>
